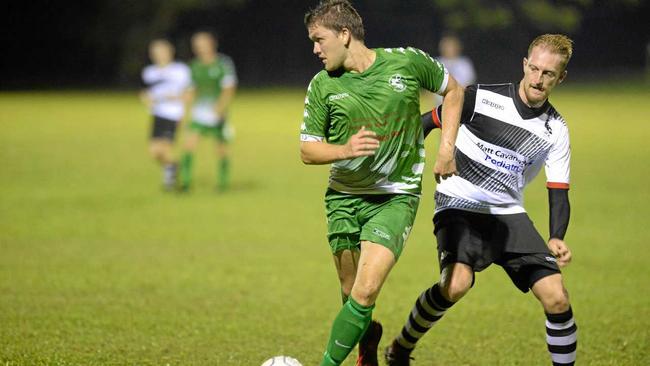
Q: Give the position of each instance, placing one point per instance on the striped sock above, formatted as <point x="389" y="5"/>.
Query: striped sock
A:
<point x="428" y="309"/>
<point x="562" y="337"/>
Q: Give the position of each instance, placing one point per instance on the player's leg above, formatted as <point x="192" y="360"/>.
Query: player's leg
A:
<point x="459" y="255"/>
<point x="192" y="136"/>
<point x="223" y="135"/>
<point x="223" y="166"/>
<point x="161" y="148"/>
<point x="346" y="262"/>
<point x="530" y="265"/>
<point x="561" y="329"/>
<point x="386" y="222"/>
<point x="162" y="151"/>
<point x="455" y="281"/>
<point x="375" y="262"/>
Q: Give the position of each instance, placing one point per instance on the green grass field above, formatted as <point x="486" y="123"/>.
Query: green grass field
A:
<point x="99" y="267"/>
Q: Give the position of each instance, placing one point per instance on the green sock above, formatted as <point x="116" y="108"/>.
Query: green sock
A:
<point x="186" y="169"/>
<point x="348" y="328"/>
<point x="224" y="173"/>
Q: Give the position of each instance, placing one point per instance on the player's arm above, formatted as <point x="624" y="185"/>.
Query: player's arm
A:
<point x="145" y="98"/>
<point x="557" y="174"/>
<point x="228" y="88"/>
<point x="559" y="214"/>
<point x="432" y="120"/>
<point x="452" y="106"/>
<point x="189" y="95"/>
<point x="225" y="99"/>
<point x="362" y="143"/>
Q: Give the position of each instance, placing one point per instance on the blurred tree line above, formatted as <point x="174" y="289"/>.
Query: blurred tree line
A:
<point x="104" y="41"/>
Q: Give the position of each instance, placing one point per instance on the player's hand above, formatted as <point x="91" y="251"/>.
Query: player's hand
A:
<point x="362" y="143"/>
<point x="445" y="167"/>
<point x="560" y="251"/>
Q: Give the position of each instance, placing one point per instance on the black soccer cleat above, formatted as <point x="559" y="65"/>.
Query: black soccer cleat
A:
<point x="368" y="345"/>
<point x="396" y="355"/>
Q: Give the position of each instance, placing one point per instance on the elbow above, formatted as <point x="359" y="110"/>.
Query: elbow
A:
<point x="305" y="158"/>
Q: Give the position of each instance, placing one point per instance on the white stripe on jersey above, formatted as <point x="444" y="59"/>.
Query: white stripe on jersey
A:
<point x="498" y="152"/>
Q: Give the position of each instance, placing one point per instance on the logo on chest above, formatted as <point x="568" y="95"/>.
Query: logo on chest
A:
<point x="397" y="83"/>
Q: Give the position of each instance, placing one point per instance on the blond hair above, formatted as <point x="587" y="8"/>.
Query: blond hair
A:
<point x="556" y="43"/>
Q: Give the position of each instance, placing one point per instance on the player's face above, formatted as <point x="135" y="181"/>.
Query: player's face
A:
<point x="161" y="53"/>
<point x="329" y="46"/>
<point x="543" y="70"/>
<point x="449" y="47"/>
<point x="203" y="45"/>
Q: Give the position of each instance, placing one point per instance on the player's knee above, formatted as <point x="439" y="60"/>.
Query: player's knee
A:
<point x="454" y="289"/>
<point x="156" y="152"/>
<point x="365" y="293"/>
<point x="556" y="302"/>
<point x="346" y="284"/>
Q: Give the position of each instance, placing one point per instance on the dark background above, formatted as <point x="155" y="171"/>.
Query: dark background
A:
<point x="99" y="44"/>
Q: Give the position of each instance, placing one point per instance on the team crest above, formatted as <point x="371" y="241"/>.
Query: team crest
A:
<point x="397" y="83"/>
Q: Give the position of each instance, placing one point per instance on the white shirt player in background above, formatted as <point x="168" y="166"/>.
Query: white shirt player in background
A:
<point x="459" y="66"/>
<point x="166" y="81"/>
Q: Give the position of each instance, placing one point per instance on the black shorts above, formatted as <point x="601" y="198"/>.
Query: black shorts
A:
<point x="163" y="128"/>
<point x="479" y="240"/>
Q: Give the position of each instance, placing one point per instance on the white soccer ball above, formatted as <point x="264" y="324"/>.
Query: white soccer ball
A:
<point x="281" y="361"/>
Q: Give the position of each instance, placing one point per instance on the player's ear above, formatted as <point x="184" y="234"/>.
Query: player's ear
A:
<point x="524" y="63"/>
<point x="562" y="76"/>
<point x="345" y="36"/>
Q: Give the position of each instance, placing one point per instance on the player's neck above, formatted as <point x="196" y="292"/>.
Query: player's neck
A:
<point x="360" y="58"/>
<point x="163" y="64"/>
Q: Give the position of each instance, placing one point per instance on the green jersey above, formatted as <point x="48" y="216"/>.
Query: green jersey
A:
<point x="209" y="80"/>
<point x="385" y="98"/>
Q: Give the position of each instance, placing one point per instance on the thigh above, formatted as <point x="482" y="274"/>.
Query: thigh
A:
<point x="375" y="263"/>
<point x="526" y="269"/>
<point x="223" y="133"/>
<point x="163" y="129"/>
<point x="192" y="137"/>
<point x="461" y="237"/>
<point x="388" y="219"/>
<point x="343" y="228"/>
<point x="346" y="262"/>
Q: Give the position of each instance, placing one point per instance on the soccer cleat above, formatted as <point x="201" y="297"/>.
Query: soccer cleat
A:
<point x="396" y="355"/>
<point x="368" y="345"/>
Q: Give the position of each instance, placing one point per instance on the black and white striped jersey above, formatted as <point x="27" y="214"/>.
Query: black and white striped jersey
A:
<point x="502" y="145"/>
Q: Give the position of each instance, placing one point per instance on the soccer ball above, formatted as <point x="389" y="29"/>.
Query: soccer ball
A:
<point x="281" y="361"/>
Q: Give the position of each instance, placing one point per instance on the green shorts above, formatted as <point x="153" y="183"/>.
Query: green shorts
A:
<point x="385" y="219"/>
<point x="221" y="132"/>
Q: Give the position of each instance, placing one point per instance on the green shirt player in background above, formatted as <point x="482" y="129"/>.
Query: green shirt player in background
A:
<point x="362" y="115"/>
<point x="214" y="82"/>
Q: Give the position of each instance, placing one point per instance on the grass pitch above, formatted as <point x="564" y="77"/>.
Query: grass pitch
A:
<point x="99" y="267"/>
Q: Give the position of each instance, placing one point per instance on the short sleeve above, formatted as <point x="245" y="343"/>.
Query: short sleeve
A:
<point x="558" y="160"/>
<point x="230" y="74"/>
<point x="315" y="115"/>
<point x="430" y="73"/>
<point x="468" y="107"/>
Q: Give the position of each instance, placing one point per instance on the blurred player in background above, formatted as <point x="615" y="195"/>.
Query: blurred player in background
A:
<point x="166" y="82"/>
<point x="362" y="115"/>
<point x="459" y="66"/>
<point x="509" y="132"/>
<point x="214" y="82"/>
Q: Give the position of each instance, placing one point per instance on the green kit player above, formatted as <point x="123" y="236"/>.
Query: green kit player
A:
<point x="362" y="115"/>
<point x="214" y="82"/>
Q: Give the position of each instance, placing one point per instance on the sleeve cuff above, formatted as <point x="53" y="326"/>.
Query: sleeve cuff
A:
<point x="436" y="119"/>
<point x="557" y="185"/>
